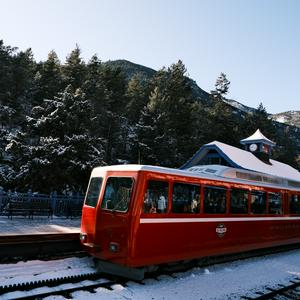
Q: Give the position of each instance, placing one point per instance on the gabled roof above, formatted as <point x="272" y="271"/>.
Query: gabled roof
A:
<point x="257" y="136"/>
<point x="242" y="159"/>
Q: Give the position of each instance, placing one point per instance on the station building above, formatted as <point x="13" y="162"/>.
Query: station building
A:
<point x="254" y="158"/>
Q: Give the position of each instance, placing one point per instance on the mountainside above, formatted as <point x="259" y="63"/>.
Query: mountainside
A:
<point x="131" y="69"/>
<point x="288" y="122"/>
<point x="239" y="106"/>
<point x="288" y="117"/>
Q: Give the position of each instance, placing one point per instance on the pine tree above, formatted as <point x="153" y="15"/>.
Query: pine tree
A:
<point x="48" y="80"/>
<point x="223" y="124"/>
<point x="23" y="69"/>
<point x="170" y="107"/>
<point x="63" y="152"/>
<point x="112" y="120"/>
<point x="137" y="95"/>
<point x="7" y="55"/>
<point x="259" y="119"/>
<point x="74" y="70"/>
<point x="221" y="86"/>
<point x="286" y="148"/>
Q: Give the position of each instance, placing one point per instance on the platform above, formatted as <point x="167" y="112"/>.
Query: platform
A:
<point x="38" y="225"/>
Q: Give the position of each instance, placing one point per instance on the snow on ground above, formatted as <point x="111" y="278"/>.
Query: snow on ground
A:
<point x="34" y="270"/>
<point x="38" y="225"/>
<point x="280" y="119"/>
<point x="223" y="281"/>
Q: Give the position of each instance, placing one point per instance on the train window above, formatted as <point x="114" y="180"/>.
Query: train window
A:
<point x="186" y="198"/>
<point x="258" y="202"/>
<point x="156" y="197"/>
<point x="93" y="191"/>
<point x="294" y="204"/>
<point x="214" y="200"/>
<point x="275" y="203"/>
<point x="117" y="193"/>
<point x="239" y="201"/>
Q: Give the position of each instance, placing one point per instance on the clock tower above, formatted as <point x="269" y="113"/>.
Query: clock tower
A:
<point x="259" y="145"/>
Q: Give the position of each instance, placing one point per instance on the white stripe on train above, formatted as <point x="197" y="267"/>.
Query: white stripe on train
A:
<point x="206" y="220"/>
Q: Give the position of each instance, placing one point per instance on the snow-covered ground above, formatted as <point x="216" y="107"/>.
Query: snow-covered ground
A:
<point x="223" y="281"/>
<point x="37" y="225"/>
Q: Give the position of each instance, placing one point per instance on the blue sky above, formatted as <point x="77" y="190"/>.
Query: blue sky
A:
<point x="255" y="43"/>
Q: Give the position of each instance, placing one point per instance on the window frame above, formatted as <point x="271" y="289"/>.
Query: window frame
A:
<point x="253" y="192"/>
<point x="130" y="198"/>
<point x="216" y="187"/>
<point x="268" y="202"/>
<point x="157" y="214"/>
<point x="99" y="192"/>
<point x="199" y="185"/>
<point x="289" y="202"/>
<point x="248" y="201"/>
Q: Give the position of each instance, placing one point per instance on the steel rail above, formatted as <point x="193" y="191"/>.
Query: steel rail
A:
<point x="287" y="291"/>
<point x="55" y="286"/>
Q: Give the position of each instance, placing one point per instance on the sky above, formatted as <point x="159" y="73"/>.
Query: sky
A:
<point x="255" y="43"/>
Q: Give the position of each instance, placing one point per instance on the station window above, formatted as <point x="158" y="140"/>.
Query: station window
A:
<point x="156" y="197"/>
<point x="275" y="203"/>
<point x="117" y="193"/>
<point x="186" y="198"/>
<point x="93" y="191"/>
<point x="214" y="200"/>
<point x="294" y="204"/>
<point x="258" y="202"/>
<point x="239" y="201"/>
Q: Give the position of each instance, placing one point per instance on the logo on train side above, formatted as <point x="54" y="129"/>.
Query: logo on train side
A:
<point x="221" y="230"/>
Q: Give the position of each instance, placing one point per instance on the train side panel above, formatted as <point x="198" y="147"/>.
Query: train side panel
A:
<point x="161" y="238"/>
<point x="166" y="242"/>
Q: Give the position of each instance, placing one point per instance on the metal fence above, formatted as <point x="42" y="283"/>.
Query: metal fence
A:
<point x="62" y="205"/>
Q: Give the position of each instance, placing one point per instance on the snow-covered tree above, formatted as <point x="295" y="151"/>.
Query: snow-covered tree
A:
<point x="62" y="151"/>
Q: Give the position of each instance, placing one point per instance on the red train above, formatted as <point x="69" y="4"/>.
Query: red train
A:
<point x="137" y="217"/>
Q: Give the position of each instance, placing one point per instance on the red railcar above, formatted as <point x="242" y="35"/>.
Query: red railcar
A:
<point x="136" y="217"/>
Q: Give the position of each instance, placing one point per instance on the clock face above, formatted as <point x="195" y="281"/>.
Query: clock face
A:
<point x="253" y="147"/>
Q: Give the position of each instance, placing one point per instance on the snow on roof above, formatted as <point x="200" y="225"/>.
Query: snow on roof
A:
<point x="211" y="172"/>
<point x="246" y="160"/>
<point x="257" y="136"/>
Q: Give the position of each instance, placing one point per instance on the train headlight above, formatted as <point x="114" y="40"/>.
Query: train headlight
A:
<point x="114" y="247"/>
<point x="83" y="237"/>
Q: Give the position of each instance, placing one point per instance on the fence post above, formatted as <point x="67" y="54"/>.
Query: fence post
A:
<point x="1" y="198"/>
<point x="53" y="199"/>
<point x="29" y="195"/>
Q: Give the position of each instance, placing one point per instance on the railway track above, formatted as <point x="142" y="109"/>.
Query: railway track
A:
<point x="282" y="292"/>
<point x="56" y="286"/>
<point x="89" y="282"/>
<point x="78" y="280"/>
<point x="32" y="246"/>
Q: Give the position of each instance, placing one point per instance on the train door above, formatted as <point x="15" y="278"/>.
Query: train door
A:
<point x="87" y="230"/>
<point x="112" y="221"/>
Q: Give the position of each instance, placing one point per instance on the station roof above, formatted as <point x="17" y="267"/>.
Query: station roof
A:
<point x="242" y="159"/>
<point x="257" y="136"/>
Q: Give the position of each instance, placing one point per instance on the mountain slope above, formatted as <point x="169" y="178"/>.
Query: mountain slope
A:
<point x="131" y="69"/>
<point x="288" y="117"/>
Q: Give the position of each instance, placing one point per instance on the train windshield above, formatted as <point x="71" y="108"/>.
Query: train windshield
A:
<point x="117" y="194"/>
<point x="93" y="191"/>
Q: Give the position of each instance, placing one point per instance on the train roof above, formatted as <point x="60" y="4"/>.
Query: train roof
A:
<point x="211" y="172"/>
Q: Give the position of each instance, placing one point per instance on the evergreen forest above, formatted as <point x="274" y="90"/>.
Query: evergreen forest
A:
<point x="59" y="120"/>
